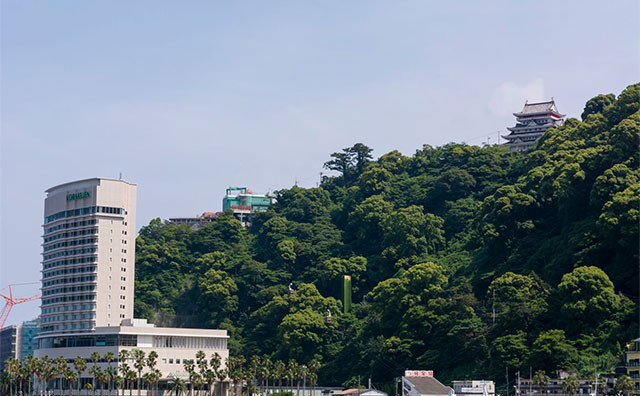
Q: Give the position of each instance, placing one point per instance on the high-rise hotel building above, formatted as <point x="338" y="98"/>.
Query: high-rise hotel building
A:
<point x="88" y="255"/>
<point x="88" y="269"/>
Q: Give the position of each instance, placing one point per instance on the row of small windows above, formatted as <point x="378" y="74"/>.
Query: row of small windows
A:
<point x="77" y="242"/>
<point x="82" y="260"/>
<point x="83" y="211"/>
<point x="70" y="289"/>
<point x="74" y="224"/>
<point x="69" y="308"/>
<point x="72" y="252"/>
<point x="86" y="297"/>
<point x="60" y="318"/>
<point x="71" y="234"/>
<point x="74" y="326"/>
<point x="164" y="361"/>
<point x="189" y="342"/>
<point x="76" y="279"/>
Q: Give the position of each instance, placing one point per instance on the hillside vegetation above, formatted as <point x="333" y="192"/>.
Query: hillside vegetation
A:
<point x="433" y="242"/>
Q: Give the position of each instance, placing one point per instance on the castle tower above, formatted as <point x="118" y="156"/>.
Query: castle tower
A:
<point x="531" y="123"/>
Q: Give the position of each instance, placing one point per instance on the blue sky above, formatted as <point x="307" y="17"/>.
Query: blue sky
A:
<point x="187" y="98"/>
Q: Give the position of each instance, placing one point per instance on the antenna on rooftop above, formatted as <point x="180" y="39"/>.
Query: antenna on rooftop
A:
<point x="120" y="178"/>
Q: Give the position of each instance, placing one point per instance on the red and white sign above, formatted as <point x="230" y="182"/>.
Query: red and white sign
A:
<point x="418" y="373"/>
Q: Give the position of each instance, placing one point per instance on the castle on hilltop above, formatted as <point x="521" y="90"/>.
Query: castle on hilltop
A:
<point x="531" y="123"/>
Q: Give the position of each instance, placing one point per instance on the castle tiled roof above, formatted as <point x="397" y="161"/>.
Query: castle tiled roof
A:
<point x="539" y="108"/>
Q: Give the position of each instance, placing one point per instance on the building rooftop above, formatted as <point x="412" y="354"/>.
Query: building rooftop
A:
<point x="539" y="108"/>
<point x="86" y="180"/>
<point x="428" y="386"/>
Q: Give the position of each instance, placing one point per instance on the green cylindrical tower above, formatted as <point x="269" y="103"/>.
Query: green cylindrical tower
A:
<point x="346" y="293"/>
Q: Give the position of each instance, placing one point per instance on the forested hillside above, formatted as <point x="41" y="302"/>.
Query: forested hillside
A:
<point x="432" y="242"/>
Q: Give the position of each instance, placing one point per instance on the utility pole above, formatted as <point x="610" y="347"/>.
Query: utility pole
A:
<point x="507" y="376"/>
<point x="518" y="383"/>
<point x="493" y="317"/>
<point x="530" y="379"/>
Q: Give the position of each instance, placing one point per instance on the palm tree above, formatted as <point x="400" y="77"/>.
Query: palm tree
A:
<point x="47" y="371"/>
<point x="5" y="382"/>
<point x="152" y="360"/>
<point x="178" y="386"/>
<point x="109" y="357"/>
<point x="267" y="372"/>
<point x="190" y="369"/>
<point x="157" y="374"/>
<point x="103" y="377"/>
<point x="11" y="368"/>
<point x="201" y="361"/>
<point x="279" y="371"/>
<point x="123" y="355"/>
<point x="292" y="370"/>
<point x="30" y="364"/>
<point x="212" y="374"/>
<point x="87" y="386"/>
<point x="541" y="379"/>
<point x="110" y="372"/>
<point x="245" y="377"/>
<point x="39" y="370"/>
<point x="23" y="376"/>
<point x="254" y="365"/>
<point x="131" y="377"/>
<point x="124" y="369"/>
<point x="313" y="379"/>
<point x="96" y="372"/>
<point x="301" y="374"/>
<point x="118" y="381"/>
<point x="570" y="385"/>
<point x="198" y="382"/>
<point x="235" y="371"/>
<point x="624" y="385"/>
<point x="222" y="375"/>
<point x="138" y="363"/>
<point x="60" y="370"/>
<point x="95" y="358"/>
<point x="80" y="364"/>
<point x="71" y="377"/>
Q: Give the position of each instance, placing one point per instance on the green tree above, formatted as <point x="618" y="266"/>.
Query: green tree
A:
<point x="510" y="350"/>
<point x="519" y="299"/>
<point x="411" y="232"/>
<point x="552" y="351"/>
<point x="588" y="298"/>
<point x="597" y="105"/>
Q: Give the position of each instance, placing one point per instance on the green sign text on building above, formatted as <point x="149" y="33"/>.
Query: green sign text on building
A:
<point x="74" y="196"/>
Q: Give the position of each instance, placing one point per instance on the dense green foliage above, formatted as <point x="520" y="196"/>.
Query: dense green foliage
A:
<point x="433" y="242"/>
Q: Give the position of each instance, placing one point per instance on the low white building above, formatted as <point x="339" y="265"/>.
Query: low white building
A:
<point x="474" y="388"/>
<point x="173" y="345"/>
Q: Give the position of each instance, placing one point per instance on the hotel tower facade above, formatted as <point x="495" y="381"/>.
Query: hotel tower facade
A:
<point x="88" y="255"/>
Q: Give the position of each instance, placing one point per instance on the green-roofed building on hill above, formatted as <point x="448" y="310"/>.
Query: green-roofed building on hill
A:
<point x="244" y="202"/>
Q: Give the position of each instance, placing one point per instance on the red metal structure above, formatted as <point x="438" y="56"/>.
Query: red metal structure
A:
<point x="10" y="302"/>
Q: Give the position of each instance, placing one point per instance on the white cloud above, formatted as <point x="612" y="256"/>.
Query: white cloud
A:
<point x="509" y="97"/>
